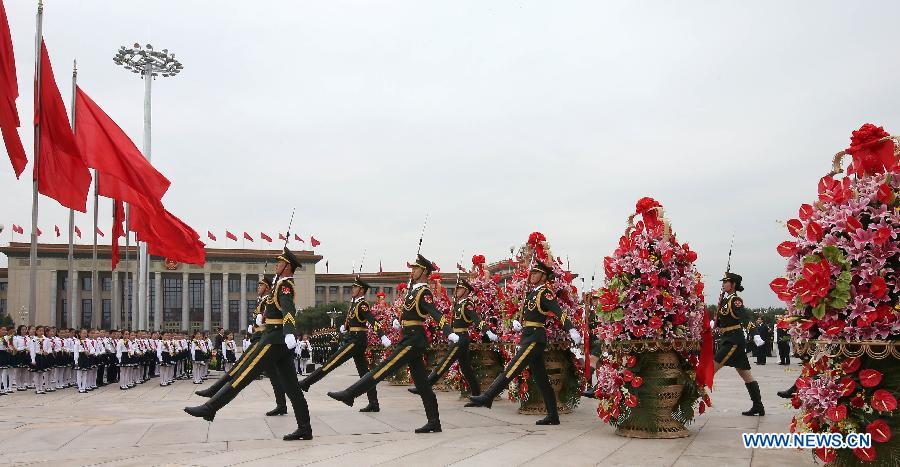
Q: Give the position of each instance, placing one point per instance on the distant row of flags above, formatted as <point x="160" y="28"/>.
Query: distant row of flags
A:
<point x="209" y="234"/>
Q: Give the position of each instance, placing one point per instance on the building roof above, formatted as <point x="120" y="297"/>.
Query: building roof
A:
<point x="376" y="278"/>
<point x="23" y="250"/>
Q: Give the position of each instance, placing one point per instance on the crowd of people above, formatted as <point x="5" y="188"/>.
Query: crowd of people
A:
<point x="46" y="358"/>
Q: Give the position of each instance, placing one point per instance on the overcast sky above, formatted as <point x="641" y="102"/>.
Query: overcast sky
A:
<point x="496" y="118"/>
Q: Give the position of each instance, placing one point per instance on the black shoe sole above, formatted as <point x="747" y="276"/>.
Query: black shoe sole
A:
<point x="348" y="403"/>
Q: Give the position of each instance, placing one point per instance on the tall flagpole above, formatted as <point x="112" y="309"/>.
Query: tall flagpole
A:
<point x="143" y="263"/>
<point x="126" y="290"/>
<point x="32" y="259"/>
<point x="72" y="280"/>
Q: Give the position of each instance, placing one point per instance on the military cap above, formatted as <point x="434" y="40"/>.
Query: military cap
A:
<point x="423" y="263"/>
<point x="734" y="279"/>
<point x="544" y="268"/>
<point x="288" y="257"/>
<point x="357" y="281"/>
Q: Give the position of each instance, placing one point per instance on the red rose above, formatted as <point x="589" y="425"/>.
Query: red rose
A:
<point x="882" y="235"/>
<point x="837" y="413"/>
<point x="814" y="232"/>
<point x="853" y="224"/>
<point x="878" y="289"/>
<point x="630" y="361"/>
<point x="870" y="378"/>
<point x="880" y="431"/>
<point x="806" y="211"/>
<point x="847" y="385"/>
<point x="850" y="365"/>
<point x="631" y="401"/>
<point x="826" y="454"/>
<point x="883" y="400"/>
<point x="885" y="193"/>
<point x="637" y="382"/>
<point x="794" y="226"/>
<point x="865" y="454"/>
<point x="787" y="249"/>
<point x="871" y="153"/>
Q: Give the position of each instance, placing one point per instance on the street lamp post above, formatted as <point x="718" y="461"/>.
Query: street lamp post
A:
<point x="334" y="313"/>
<point x="149" y="63"/>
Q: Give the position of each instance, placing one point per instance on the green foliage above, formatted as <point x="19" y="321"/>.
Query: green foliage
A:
<point x="316" y="317"/>
<point x="5" y="320"/>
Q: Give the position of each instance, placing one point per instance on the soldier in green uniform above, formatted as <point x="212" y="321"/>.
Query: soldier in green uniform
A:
<point x="417" y="306"/>
<point x="731" y="318"/>
<point x="273" y="352"/>
<point x="464" y="316"/>
<point x="255" y="329"/>
<point x="540" y="302"/>
<point x="354" y="343"/>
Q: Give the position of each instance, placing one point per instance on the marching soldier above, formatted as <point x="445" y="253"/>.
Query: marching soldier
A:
<point x="256" y="329"/>
<point x="417" y="306"/>
<point x="540" y="302"/>
<point x="354" y="343"/>
<point x="273" y="353"/>
<point x="730" y="319"/>
<point x="464" y="315"/>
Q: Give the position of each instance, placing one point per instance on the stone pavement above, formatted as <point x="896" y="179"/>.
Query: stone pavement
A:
<point x="146" y="426"/>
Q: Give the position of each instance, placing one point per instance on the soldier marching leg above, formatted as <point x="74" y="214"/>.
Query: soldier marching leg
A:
<point x="441" y="368"/>
<point x="362" y="367"/>
<point x="518" y="363"/>
<point x="386" y="368"/>
<point x="336" y="359"/>
<point x="278" y="390"/>
<point x="539" y="374"/>
<point x="429" y="400"/>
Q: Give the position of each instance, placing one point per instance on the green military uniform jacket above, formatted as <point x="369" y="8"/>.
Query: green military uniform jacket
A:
<point x="418" y="304"/>
<point x="359" y="315"/>
<point x="280" y="312"/>
<point x="465" y="315"/>
<point x="731" y="318"/>
<point x="540" y="302"/>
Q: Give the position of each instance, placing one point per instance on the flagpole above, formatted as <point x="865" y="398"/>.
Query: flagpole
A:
<point x="125" y="288"/>
<point x="72" y="280"/>
<point x="32" y="259"/>
<point x="143" y="265"/>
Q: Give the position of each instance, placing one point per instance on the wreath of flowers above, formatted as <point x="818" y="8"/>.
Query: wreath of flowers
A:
<point x="652" y="292"/>
<point x="487" y="297"/>
<point x="841" y="285"/>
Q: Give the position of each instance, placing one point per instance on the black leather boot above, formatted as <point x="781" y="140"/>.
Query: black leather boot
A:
<point x="302" y="432"/>
<point x="208" y="410"/>
<point x="371" y="407"/>
<point x="212" y="390"/>
<point x="355" y="390"/>
<point x="486" y="399"/>
<point x="280" y="410"/>
<point x="431" y="411"/>
<point x="756" y="397"/>
<point x="313" y="378"/>
<point x="548" y="420"/>
<point x="788" y="393"/>
<point x="432" y="378"/>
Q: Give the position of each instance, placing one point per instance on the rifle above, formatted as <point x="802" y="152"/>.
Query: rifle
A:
<point x="418" y="251"/>
<point x="286" y="239"/>
<point x="722" y="292"/>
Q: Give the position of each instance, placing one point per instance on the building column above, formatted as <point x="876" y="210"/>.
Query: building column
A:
<point x="185" y="297"/>
<point x="225" y="309"/>
<point x="207" y="303"/>
<point x="242" y="313"/>
<point x="74" y="315"/>
<point x="115" y="316"/>
<point x="54" y="287"/>
<point x="157" y="302"/>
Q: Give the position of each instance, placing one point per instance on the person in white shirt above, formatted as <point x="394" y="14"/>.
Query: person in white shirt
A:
<point x="5" y="360"/>
<point x="229" y="348"/>
<point x="304" y="354"/>
<point x="198" y="356"/>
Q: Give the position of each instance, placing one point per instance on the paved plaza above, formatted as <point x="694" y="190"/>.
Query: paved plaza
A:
<point x="146" y="426"/>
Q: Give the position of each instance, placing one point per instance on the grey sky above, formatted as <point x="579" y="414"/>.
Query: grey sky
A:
<point x="496" y="118"/>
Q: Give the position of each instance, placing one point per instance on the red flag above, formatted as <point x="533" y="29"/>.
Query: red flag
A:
<point x="705" y="368"/>
<point x="265" y="237"/>
<point x="168" y="236"/>
<point x="109" y="150"/>
<point x="247" y="236"/>
<point x="60" y="172"/>
<point x="56" y="228"/>
<point x="100" y="232"/>
<point x="281" y="236"/>
<point x="77" y="231"/>
<point x="18" y="229"/>
<point x="230" y="235"/>
<point x="314" y="242"/>
<point x="39" y="232"/>
<point x="117" y="230"/>
<point x="297" y="237"/>
<point x="210" y="235"/>
<point x="9" y="91"/>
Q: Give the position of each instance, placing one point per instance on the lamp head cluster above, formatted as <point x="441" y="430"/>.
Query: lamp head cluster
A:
<point x="147" y="60"/>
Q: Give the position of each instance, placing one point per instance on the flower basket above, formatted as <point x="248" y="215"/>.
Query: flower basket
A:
<point x="439" y="352"/>
<point x="564" y="379"/>
<point x="487" y="362"/>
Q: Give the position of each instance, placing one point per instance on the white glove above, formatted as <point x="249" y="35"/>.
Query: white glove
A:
<point x="290" y="341"/>
<point x="758" y="340"/>
<point x="396" y="324"/>
<point x="259" y="319"/>
<point x="575" y="335"/>
<point x="517" y="326"/>
<point x="386" y="341"/>
<point x="343" y="329"/>
<point x="250" y="328"/>
<point x="453" y="337"/>
<point x="493" y="337"/>
<point x="712" y="324"/>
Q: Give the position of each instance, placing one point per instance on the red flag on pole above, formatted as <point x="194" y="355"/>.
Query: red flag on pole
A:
<point x="100" y="232"/>
<point x="265" y="237"/>
<point x="297" y="237"/>
<point x="77" y="231"/>
<point x="230" y="235"/>
<point x="9" y="91"/>
<point x="60" y="172"/>
<point x="117" y="230"/>
<point x="39" y="232"/>
<point x="314" y="242"/>
<point x="247" y="236"/>
<point x="56" y="228"/>
<point x="210" y="235"/>
<point x="18" y="229"/>
<point x="168" y="236"/>
<point x="281" y="236"/>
